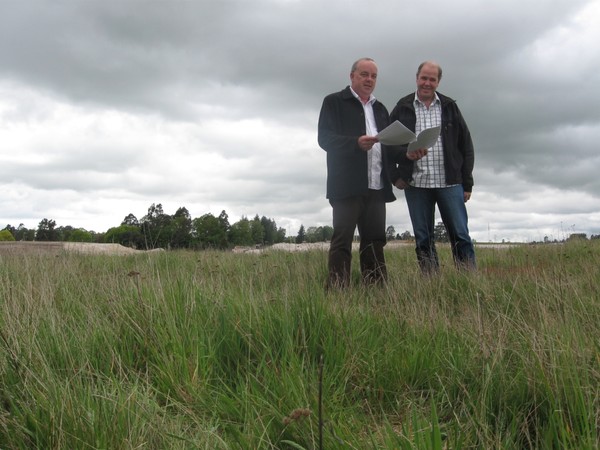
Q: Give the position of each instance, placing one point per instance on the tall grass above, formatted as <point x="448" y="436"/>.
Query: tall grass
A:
<point x="217" y="350"/>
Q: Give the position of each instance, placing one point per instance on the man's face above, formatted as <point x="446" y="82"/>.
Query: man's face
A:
<point x="364" y="79"/>
<point x="427" y="82"/>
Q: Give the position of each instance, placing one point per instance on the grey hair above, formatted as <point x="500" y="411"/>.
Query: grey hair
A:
<point x="433" y="64"/>
<point x="358" y="61"/>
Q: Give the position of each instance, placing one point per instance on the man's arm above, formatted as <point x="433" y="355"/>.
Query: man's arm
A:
<point x="331" y="137"/>
<point x="465" y="147"/>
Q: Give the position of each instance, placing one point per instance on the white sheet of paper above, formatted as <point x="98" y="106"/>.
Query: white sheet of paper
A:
<point x="397" y="134"/>
<point x="425" y="139"/>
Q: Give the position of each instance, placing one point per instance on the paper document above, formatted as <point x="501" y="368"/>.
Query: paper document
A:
<point x="398" y="134"/>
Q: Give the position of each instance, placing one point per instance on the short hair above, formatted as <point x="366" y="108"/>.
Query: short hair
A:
<point x="433" y="64"/>
<point x="358" y="61"/>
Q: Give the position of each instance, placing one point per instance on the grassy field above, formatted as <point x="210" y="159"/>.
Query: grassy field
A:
<point x="182" y="350"/>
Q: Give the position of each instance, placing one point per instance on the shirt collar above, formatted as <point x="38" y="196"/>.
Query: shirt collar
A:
<point x="416" y="101"/>
<point x="371" y="97"/>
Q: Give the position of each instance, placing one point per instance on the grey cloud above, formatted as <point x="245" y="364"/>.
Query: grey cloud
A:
<point x="530" y="108"/>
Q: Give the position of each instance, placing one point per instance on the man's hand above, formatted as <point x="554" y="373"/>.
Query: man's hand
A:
<point x="415" y="155"/>
<point x="467" y="196"/>
<point x="366" y="142"/>
<point x="400" y="183"/>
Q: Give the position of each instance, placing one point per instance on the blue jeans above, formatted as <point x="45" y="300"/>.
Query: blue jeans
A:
<point x="450" y="201"/>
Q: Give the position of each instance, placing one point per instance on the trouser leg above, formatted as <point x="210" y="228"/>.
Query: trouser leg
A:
<point x="454" y="215"/>
<point x="371" y="227"/>
<point x="421" y="207"/>
<point x="345" y="217"/>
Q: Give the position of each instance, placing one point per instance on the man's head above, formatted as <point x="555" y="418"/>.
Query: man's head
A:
<point x="429" y="75"/>
<point x="363" y="77"/>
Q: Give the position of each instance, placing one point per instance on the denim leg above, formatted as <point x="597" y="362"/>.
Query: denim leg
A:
<point x="421" y="207"/>
<point x="453" y="211"/>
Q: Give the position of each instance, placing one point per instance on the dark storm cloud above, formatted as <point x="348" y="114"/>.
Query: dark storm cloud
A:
<point x="248" y="79"/>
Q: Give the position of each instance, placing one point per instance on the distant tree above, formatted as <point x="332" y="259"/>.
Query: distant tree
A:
<point x="12" y="230"/>
<point x="224" y="221"/>
<point x="80" y="235"/>
<point x="440" y="234"/>
<point x="257" y="230"/>
<point x="63" y="233"/>
<point x="6" y="235"/>
<point x="318" y="234"/>
<point x="595" y="236"/>
<point x="209" y="231"/>
<point x="130" y="219"/>
<point x="16" y="233"/>
<point x="313" y="234"/>
<point x="301" y="236"/>
<point x="240" y="233"/>
<point x="270" y="228"/>
<point x="280" y="236"/>
<point x="24" y="234"/>
<point x="46" y="231"/>
<point x="155" y="227"/>
<point x="390" y="233"/>
<point x="181" y="229"/>
<point x="127" y="235"/>
<point x="406" y="236"/>
<point x="327" y="233"/>
<point x="577" y="237"/>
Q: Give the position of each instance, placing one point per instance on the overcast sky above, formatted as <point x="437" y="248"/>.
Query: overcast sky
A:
<point x="109" y="106"/>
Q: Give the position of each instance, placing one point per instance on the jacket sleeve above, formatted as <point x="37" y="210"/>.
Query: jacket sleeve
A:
<point x="331" y="136"/>
<point x="465" y="145"/>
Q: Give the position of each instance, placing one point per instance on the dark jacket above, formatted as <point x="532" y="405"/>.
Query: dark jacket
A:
<point x="341" y="123"/>
<point x="459" y="155"/>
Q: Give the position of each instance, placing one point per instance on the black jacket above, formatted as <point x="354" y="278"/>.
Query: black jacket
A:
<point x="341" y="123"/>
<point x="459" y="155"/>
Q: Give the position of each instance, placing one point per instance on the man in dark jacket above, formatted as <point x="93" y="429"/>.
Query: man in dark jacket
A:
<point x="444" y="173"/>
<point x="358" y="184"/>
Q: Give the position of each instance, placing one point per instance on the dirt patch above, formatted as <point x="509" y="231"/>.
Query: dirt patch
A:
<point x="306" y="246"/>
<point x="54" y="248"/>
<point x="32" y="248"/>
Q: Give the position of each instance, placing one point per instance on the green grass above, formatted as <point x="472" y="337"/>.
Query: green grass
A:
<point x="214" y="350"/>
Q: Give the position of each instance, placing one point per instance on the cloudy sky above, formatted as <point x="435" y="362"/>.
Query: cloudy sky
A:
<point x="109" y="106"/>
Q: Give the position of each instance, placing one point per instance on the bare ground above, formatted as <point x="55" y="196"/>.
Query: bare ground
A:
<point x="36" y="247"/>
<point x="288" y="247"/>
<point x="30" y="248"/>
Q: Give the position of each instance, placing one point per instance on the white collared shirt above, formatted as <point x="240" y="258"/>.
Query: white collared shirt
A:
<point x="374" y="155"/>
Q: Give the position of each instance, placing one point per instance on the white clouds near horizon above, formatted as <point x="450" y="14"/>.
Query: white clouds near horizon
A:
<point x="108" y="107"/>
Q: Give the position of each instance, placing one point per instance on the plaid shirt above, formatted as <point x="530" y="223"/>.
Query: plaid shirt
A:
<point x="429" y="172"/>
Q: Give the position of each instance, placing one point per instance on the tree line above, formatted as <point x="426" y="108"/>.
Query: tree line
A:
<point x="156" y="229"/>
<point x="180" y="231"/>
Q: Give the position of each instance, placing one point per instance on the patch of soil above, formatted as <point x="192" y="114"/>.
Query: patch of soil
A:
<point x="35" y="247"/>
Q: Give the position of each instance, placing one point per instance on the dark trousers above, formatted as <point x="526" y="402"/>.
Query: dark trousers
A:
<point x="367" y="212"/>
